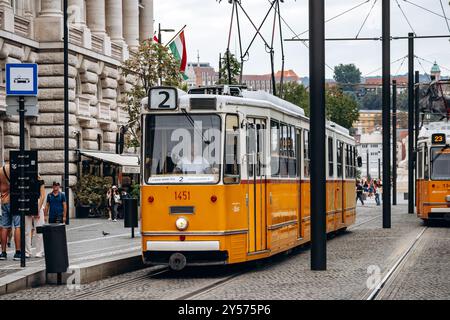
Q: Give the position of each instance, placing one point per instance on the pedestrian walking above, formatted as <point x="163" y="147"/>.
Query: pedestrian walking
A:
<point x="109" y="200"/>
<point x="114" y="200"/>
<point x="359" y="192"/>
<point x="9" y="220"/>
<point x="31" y="222"/>
<point x="377" y="193"/>
<point x="56" y="205"/>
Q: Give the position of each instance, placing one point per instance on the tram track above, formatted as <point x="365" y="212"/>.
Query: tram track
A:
<point x="158" y="271"/>
<point x="377" y="292"/>
<point x="120" y="285"/>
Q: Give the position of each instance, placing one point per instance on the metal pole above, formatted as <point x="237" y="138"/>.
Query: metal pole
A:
<point x="66" y="111"/>
<point x="159" y="55"/>
<point x="379" y="168"/>
<point x="22" y="175"/>
<point x="394" y="142"/>
<point x="317" y="124"/>
<point x="220" y="68"/>
<point x="411" y="123"/>
<point x="367" y="165"/>
<point x="386" y="44"/>
<point x="416" y="108"/>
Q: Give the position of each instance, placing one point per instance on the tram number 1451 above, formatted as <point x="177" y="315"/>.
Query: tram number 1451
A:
<point x="182" y="195"/>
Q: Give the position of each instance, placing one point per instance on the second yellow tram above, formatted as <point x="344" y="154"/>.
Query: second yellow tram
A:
<point x="226" y="176"/>
<point x="433" y="172"/>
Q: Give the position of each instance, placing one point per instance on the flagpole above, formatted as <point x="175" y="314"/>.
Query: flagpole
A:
<point x="171" y="40"/>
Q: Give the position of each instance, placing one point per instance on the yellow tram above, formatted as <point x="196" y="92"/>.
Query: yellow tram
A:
<point x="225" y="176"/>
<point x="433" y="172"/>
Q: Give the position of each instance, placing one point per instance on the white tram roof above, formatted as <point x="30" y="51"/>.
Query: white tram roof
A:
<point x="434" y="127"/>
<point x="256" y="99"/>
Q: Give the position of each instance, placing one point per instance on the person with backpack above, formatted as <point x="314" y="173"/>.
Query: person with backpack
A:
<point x="56" y="207"/>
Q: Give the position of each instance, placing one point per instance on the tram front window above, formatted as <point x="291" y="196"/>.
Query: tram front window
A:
<point x="182" y="148"/>
<point x="440" y="164"/>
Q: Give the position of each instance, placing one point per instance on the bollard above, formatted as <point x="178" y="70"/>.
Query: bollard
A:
<point x="55" y="248"/>
<point x="130" y="209"/>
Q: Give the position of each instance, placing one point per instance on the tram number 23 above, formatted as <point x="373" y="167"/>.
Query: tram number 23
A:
<point x="163" y="98"/>
<point x="182" y="195"/>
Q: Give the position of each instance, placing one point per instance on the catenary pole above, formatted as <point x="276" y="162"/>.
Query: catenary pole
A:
<point x="411" y="123"/>
<point x="386" y="48"/>
<point x="317" y="99"/>
<point x="394" y="142"/>
<point x="66" y="111"/>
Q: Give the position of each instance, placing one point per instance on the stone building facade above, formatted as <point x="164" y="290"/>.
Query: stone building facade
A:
<point x="103" y="33"/>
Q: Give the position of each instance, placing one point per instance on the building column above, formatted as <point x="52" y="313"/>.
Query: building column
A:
<point x="76" y="8"/>
<point x="49" y="24"/>
<point x="131" y="23"/>
<point x="114" y="20"/>
<point x="96" y="16"/>
<point x="7" y="23"/>
<point x="146" y="20"/>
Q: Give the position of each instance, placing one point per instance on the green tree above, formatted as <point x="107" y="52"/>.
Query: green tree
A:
<point x="296" y="94"/>
<point x="151" y="61"/>
<point x="235" y="69"/>
<point x="346" y="75"/>
<point x="341" y="108"/>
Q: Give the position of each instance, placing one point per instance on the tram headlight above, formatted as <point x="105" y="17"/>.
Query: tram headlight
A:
<point x="182" y="224"/>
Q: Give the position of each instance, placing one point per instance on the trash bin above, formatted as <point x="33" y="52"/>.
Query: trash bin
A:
<point x="130" y="210"/>
<point x="55" y="247"/>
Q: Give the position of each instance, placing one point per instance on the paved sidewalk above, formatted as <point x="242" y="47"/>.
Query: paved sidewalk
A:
<point x="89" y="240"/>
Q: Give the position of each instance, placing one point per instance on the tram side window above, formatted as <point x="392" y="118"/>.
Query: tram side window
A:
<point x="426" y="164"/>
<point x="232" y="168"/>
<point x="354" y="161"/>
<point x="275" y="148"/>
<point x="292" y="161"/>
<point x="284" y="150"/>
<point x="340" y="158"/>
<point x="330" y="157"/>
<point x="420" y="164"/>
<point x="306" y="155"/>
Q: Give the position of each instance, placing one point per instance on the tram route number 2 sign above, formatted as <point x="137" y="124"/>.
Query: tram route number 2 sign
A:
<point x="28" y="203"/>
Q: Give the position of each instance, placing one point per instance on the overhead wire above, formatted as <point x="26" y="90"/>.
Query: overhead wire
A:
<point x="445" y="16"/>
<point x="406" y="18"/>
<point x="365" y="20"/>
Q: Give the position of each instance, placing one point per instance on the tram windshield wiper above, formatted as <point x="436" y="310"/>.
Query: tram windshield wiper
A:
<point x="438" y="154"/>
<point x="192" y="122"/>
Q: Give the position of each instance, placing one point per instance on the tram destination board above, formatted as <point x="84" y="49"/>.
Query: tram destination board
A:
<point x="28" y="182"/>
<point x="438" y="138"/>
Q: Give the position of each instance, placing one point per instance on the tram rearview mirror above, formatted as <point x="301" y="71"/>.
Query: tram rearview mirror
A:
<point x="359" y="160"/>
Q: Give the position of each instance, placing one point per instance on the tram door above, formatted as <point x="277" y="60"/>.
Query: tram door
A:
<point x="257" y="185"/>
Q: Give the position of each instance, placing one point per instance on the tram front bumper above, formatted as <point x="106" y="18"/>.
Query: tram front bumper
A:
<point x="439" y="214"/>
<point x="195" y="253"/>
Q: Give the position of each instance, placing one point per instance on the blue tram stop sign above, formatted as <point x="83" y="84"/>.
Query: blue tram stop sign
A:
<point x="21" y="79"/>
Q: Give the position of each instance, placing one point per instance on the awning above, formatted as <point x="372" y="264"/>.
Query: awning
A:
<point x="129" y="163"/>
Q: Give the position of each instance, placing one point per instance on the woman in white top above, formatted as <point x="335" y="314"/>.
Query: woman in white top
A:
<point x="38" y="220"/>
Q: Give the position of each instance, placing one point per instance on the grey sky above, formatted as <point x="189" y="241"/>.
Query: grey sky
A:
<point x="208" y="23"/>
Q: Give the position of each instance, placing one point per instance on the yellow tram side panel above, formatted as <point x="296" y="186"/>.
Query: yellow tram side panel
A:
<point x="431" y="194"/>
<point x="283" y="215"/>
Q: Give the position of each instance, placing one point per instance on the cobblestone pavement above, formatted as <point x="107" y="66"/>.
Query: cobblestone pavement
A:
<point x="87" y="242"/>
<point x="283" y="276"/>
<point x="425" y="274"/>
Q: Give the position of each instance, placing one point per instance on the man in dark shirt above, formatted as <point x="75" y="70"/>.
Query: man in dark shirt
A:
<point x="359" y="192"/>
<point x="56" y="208"/>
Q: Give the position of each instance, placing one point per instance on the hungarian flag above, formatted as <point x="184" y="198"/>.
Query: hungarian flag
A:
<point x="178" y="48"/>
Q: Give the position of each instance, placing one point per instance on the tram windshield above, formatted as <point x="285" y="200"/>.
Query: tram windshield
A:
<point x="440" y="164"/>
<point x="182" y="148"/>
